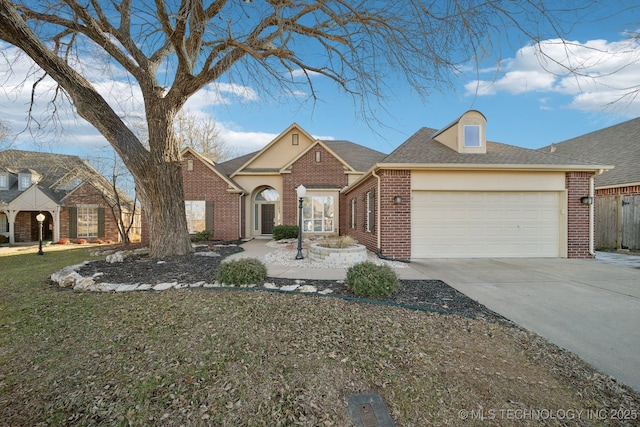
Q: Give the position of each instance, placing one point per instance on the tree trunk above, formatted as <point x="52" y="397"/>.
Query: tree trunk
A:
<point x="161" y="190"/>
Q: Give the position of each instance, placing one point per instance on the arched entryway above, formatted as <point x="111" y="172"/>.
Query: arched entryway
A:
<point x="266" y="210"/>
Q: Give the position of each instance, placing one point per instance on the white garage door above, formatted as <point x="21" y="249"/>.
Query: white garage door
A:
<point x="457" y="224"/>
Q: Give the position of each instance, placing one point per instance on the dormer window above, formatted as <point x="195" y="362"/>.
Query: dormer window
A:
<point x="472" y="136"/>
<point x="4" y="181"/>
<point x="24" y="181"/>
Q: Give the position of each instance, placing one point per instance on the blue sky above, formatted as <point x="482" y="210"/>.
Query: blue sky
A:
<point x="524" y="104"/>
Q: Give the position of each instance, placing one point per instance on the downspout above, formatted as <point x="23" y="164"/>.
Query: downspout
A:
<point x="592" y="206"/>
<point x="378" y="222"/>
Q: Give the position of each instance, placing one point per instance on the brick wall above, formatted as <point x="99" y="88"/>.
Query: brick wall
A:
<point x="87" y="194"/>
<point x="327" y="173"/>
<point x="629" y="190"/>
<point x="360" y="233"/>
<point x="577" y="184"/>
<point x="393" y="219"/>
<point x="27" y="229"/>
<point x="23" y="227"/>
<point x="204" y="184"/>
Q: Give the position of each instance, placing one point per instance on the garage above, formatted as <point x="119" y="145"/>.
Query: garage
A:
<point x="486" y="224"/>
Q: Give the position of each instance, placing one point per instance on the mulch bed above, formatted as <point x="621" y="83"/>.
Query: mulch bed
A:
<point x="430" y="295"/>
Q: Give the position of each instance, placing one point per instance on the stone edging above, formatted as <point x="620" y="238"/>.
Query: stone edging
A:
<point x="69" y="277"/>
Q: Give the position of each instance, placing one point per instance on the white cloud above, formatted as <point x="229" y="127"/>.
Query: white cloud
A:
<point x="595" y="74"/>
<point x="244" y="142"/>
<point x="304" y="73"/>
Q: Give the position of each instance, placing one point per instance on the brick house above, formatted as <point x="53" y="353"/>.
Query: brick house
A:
<point x="77" y="202"/>
<point x="442" y="193"/>
<point x="617" y="191"/>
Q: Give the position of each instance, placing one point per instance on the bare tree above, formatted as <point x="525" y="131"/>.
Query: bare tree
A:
<point x="171" y="49"/>
<point x="124" y="210"/>
<point x="201" y="135"/>
<point x="4" y="134"/>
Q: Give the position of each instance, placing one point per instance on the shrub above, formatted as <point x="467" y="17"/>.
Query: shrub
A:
<point x="285" y="232"/>
<point x="337" y="242"/>
<point x="244" y="271"/>
<point x="201" y="236"/>
<point x="370" y="280"/>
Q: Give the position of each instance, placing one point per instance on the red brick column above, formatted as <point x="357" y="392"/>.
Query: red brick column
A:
<point x="577" y="184"/>
<point x="395" y="219"/>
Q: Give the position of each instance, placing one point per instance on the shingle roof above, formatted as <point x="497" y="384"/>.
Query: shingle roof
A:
<point x="51" y="168"/>
<point x="617" y="145"/>
<point x="230" y="166"/>
<point x="357" y="156"/>
<point x="421" y="148"/>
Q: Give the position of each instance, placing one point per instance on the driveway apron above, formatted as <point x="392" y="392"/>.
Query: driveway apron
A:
<point x="586" y="306"/>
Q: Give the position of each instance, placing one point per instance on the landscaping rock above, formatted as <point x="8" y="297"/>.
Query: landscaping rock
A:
<point x="164" y="286"/>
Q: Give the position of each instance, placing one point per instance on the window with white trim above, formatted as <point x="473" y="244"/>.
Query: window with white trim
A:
<point x="318" y="214"/>
<point x="4" y="224"/>
<point x="24" y="181"/>
<point x="353" y="213"/>
<point x="87" y="221"/>
<point x="370" y="209"/>
<point x="196" y="219"/>
<point x="4" y="181"/>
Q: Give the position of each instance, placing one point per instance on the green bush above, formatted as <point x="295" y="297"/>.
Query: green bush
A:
<point x="285" y="232"/>
<point x="201" y="236"/>
<point x="244" y="271"/>
<point x="370" y="280"/>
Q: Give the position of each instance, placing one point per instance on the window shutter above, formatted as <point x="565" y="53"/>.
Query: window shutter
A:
<point x="354" y="213"/>
<point x="364" y="212"/>
<point x="100" y="222"/>
<point x="73" y="223"/>
<point x="208" y="214"/>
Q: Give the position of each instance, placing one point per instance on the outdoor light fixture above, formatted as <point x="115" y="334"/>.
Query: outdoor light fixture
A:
<point x="586" y="200"/>
<point x="397" y="200"/>
<point x="300" y="191"/>
<point x="40" y="218"/>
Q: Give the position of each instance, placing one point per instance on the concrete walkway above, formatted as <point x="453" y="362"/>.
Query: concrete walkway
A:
<point x="590" y="307"/>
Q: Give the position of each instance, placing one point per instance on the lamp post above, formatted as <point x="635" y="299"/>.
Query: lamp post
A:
<point x="301" y="191"/>
<point x="40" y="218"/>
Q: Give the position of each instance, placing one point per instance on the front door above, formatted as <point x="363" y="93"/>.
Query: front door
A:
<point x="267" y="214"/>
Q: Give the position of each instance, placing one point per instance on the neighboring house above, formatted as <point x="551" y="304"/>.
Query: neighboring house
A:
<point x="75" y="199"/>
<point x="617" y="191"/>
<point x="446" y="193"/>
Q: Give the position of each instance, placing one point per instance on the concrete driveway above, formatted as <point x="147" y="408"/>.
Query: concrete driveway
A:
<point x="589" y="307"/>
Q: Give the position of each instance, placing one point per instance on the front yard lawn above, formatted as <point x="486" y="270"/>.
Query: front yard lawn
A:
<point x="253" y="358"/>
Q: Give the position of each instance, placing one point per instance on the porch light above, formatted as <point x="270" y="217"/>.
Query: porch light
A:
<point x="300" y="191"/>
<point x="397" y="200"/>
<point x="586" y="200"/>
<point x="40" y="219"/>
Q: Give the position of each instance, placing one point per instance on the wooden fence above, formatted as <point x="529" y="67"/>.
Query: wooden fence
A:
<point x="617" y="222"/>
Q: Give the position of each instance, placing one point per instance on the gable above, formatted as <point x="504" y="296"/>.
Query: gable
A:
<point x="33" y="199"/>
<point x="289" y="145"/>
<point x="197" y="169"/>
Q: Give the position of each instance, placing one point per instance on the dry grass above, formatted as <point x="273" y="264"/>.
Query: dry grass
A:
<point x="339" y="242"/>
<point x="252" y="358"/>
